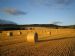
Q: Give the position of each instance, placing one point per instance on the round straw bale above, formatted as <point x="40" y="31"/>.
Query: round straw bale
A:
<point x="32" y="37"/>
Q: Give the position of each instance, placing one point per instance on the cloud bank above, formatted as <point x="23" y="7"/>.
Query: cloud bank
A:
<point x="54" y="2"/>
<point x="13" y="11"/>
<point x="64" y="2"/>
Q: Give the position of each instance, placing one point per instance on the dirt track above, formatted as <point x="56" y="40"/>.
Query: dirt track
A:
<point x="60" y="47"/>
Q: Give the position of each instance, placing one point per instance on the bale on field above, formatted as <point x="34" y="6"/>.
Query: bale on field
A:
<point x="32" y="37"/>
<point x="0" y="34"/>
<point x="5" y="33"/>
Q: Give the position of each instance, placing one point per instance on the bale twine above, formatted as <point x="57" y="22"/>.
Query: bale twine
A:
<point x="32" y="37"/>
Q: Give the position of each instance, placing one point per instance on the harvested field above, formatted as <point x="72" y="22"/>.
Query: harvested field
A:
<point x="59" y="47"/>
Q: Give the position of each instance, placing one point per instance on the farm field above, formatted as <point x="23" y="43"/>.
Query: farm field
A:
<point x="57" y="47"/>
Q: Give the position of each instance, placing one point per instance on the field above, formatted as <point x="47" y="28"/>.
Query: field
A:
<point x="57" y="44"/>
<point x="59" y="47"/>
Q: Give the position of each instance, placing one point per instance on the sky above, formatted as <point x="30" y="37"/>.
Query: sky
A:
<point x="38" y="11"/>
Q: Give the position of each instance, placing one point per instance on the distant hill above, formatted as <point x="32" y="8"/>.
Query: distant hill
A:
<point x="25" y="27"/>
<point x="6" y="22"/>
<point x="72" y="26"/>
<point x="6" y="25"/>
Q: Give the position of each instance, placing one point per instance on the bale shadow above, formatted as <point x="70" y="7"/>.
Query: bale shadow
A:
<point x="54" y="39"/>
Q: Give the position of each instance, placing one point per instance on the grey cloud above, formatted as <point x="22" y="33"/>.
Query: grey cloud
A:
<point x="13" y="11"/>
<point x="66" y="2"/>
<point x="59" y="2"/>
<point x="54" y="2"/>
<point x="4" y="0"/>
<point x="56" y="22"/>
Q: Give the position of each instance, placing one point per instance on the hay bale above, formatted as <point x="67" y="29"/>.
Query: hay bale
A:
<point x="0" y="34"/>
<point x="5" y="33"/>
<point x="32" y="37"/>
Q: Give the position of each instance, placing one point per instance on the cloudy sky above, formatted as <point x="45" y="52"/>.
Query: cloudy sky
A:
<point x="38" y="11"/>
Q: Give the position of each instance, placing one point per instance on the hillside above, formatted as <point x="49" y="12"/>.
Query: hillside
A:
<point x="23" y="27"/>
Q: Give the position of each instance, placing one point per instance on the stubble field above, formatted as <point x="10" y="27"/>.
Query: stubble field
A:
<point x="57" y="47"/>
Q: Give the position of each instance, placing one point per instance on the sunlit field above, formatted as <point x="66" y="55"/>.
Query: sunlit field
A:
<point x="58" y="45"/>
<point x="61" y="47"/>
